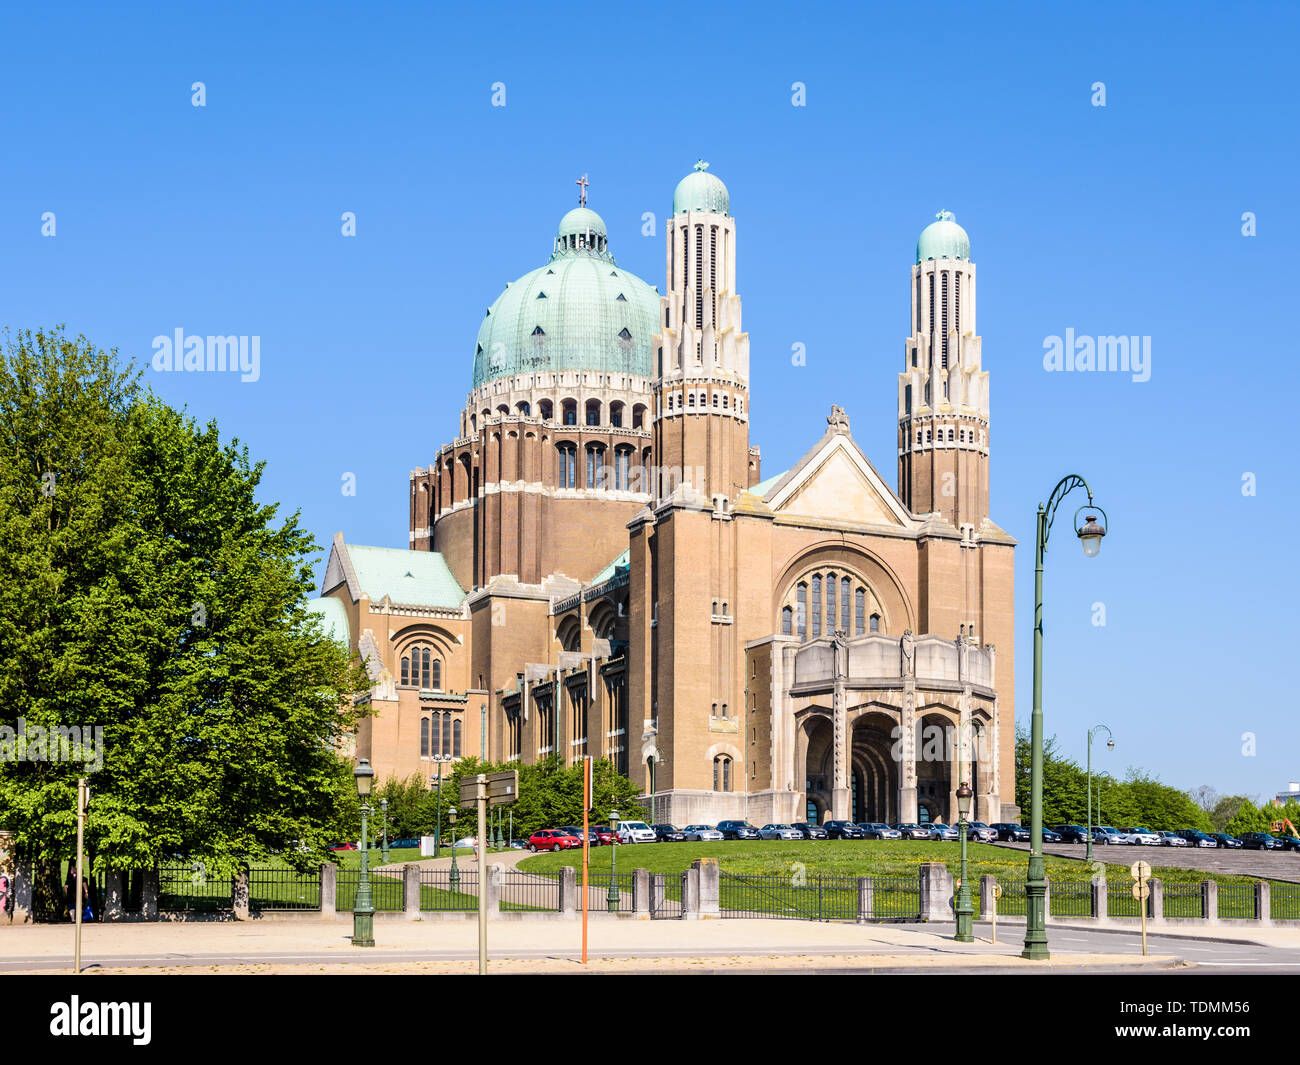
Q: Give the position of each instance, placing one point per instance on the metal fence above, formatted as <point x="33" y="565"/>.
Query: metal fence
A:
<point x="814" y="898"/>
<point x="527" y="892"/>
<point x="1069" y="898"/>
<point x="1284" y="902"/>
<point x="189" y="888"/>
<point x="599" y="893"/>
<point x="387" y="892"/>
<point x="272" y="888"/>
<point x="1120" y="901"/>
<point x="440" y="893"/>
<point x="1238" y="901"/>
<point x="1182" y="900"/>
<point x="1012" y="903"/>
<point x="897" y="898"/>
<point x="666" y="891"/>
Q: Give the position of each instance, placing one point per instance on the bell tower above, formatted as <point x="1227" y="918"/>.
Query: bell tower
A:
<point x="701" y="384"/>
<point x="943" y="394"/>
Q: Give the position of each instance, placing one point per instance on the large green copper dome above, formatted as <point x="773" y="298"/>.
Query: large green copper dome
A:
<point x="943" y="239"/>
<point x="701" y="191"/>
<point x="578" y="312"/>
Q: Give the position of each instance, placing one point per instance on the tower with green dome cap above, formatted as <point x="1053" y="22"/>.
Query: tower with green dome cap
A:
<point x="701" y="379"/>
<point x="943" y="398"/>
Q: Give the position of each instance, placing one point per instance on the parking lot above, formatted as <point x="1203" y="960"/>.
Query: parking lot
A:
<point x="1268" y="865"/>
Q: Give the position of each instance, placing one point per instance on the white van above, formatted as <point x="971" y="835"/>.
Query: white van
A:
<point x="635" y="832"/>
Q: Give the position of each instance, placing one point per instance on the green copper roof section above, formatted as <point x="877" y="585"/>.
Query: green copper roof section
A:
<point x="763" y="487"/>
<point x="701" y="191"/>
<point x="333" y="618"/>
<point x="570" y="314"/>
<point x="420" y="578"/>
<point x="943" y="239"/>
<point x="621" y="562"/>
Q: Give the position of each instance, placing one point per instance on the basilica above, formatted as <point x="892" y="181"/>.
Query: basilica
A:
<point x="597" y="563"/>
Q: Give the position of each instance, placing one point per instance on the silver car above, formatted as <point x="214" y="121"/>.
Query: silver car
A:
<point x="942" y="832"/>
<point x="702" y="833"/>
<point x="1172" y="839"/>
<point x="779" y="832"/>
<point x="980" y="832"/>
<point x="1141" y="837"/>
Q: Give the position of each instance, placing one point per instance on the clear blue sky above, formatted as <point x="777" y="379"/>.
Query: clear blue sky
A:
<point x="1117" y="220"/>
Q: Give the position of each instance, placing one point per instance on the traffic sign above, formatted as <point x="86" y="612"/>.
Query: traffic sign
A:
<point x="469" y="789"/>
<point x="1139" y="870"/>
<point x="503" y="787"/>
<point x="997" y="891"/>
<point x="1141" y="890"/>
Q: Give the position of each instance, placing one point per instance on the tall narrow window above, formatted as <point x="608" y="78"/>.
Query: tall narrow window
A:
<point x="406" y="670"/>
<point x="816" y="605"/>
<point x="859" y="612"/>
<point x="713" y="274"/>
<point x="446" y="735"/>
<point x="787" y="621"/>
<point x="803" y="611"/>
<point x="424" y="737"/>
<point x="455" y="753"/>
<point x="622" y="468"/>
<point x="945" y="319"/>
<point x="424" y="668"/>
<point x="956" y="302"/>
<point x="435" y="681"/>
<point x="875" y="622"/>
<point x="699" y="277"/>
<point x="832" y="590"/>
<point x="435" y="738"/>
<point x="567" y="469"/>
<point x="844" y="603"/>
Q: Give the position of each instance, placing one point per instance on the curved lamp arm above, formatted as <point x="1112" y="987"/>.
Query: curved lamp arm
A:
<point x="1063" y="488"/>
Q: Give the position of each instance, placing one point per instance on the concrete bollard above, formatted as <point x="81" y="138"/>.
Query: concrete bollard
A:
<point x="866" y="898"/>
<point x="641" y="893"/>
<point x="114" y="895"/>
<point x="1156" y="902"/>
<point x="1263" y="913"/>
<point x="1100" y="892"/>
<point x="411" y="891"/>
<point x="987" y="902"/>
<point x="493" y="889"/>
<point x="329" y="888"/>
<point x="1210" y="901"/>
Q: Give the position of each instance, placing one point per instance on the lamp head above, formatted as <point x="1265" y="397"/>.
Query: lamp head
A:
<point x="365" y="778"/>
<point x="451" y="815"/>
<point x="1090" y="534"/>
<point x="1110" y="745"/>
<point x="963" y="800"/>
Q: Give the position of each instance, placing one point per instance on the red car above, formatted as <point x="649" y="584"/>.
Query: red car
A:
<point x="602" y="835"/>
<point x="552" y="839"/>
<point x="344" y="847"/>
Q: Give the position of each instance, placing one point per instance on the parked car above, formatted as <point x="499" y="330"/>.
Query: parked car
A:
<point x="980" y="832"/>
<point x="1290" y="843"/>
<point x="1260" y="841"/>
<point x="576" y="830"/>
<point x="810" y="831"/>
<point x="843" y="830"/>
<point x="1050" y="835"/>
<point x="780" y="832"/>
<point x="551" y="839"/>
<point x="344" y="847"/>
<point x="1073" y="834"/>
<point x="1106" y="836"/>
<point x="404" y="843"/>
<point x="942" y="832"/>
<point x="737" y="830"/>
<point x="1196" y="838"/>
<point x="518" y="844"/>
<point x="1171" y="839"/>
<point x="1137" y="836"/>
<point x="635" y="832"/>
<point x="469" y="842"/>
<point x="912" y="831"/>
<point x="875" y="830"/>
<point x="668" y="833"/>
<point x="1226" y="842"/>
<point x="702" y="833"/>
<point x="1010" y="832"/>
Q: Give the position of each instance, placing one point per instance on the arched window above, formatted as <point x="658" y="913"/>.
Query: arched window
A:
<point x="859" y="612"/>
<point x="722" y="773"/>
<point x="446" y="733"/>
<point x="787" y="621"/>
<point x="523" y="408"/>
<point x="816" y="605"/>
<point x="593" y="412"/>
<point x="406" y="671"/>
<point x="802" y="600"/>
<point x="832" y="590"/>
<point x="424" y="737"/>
<point x="435" y="737"/>
<point x="455" y="727"/>
<point x="844" y="603"/>
<point x="622" y="468"/>
<point x="436" y="680"/>
<point x="420" y="669"/>
<point x="595" y="467"/>
<point x="570" y="412"/>
<point x="567" y="472"/>
<point x="875" y="622"/>
<point x="616" y="414"/>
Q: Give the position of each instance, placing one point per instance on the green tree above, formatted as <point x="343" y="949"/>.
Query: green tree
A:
<point x="1225" y="809"/>
<point x="1248" y="818"/>
<point x="145" y="591"/>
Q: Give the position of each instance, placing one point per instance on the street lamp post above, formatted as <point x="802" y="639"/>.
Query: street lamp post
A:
<point x="1090" y="534"/>
<point x="383" y="805"/>
<point x="454" y="879"/>
<point x="363" y="910"/>
<point x="612" y="898"/>
<point x="437" y="827"/>
<point x="1110" y="746"/>
<point x="965" y="911"/>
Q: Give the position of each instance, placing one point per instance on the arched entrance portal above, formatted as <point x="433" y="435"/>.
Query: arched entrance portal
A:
<point x="874" y="770"/>
<point x="819" y="768"/>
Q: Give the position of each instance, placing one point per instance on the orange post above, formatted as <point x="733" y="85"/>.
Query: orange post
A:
<point x="586" y="803"/>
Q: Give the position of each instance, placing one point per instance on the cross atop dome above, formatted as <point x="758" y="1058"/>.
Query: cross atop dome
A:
<point x="582" y="184"/>
<point x="701" y="165"/>
<point x="946" y="216"/>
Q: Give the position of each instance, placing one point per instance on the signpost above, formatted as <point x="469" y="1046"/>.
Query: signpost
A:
<point x="496" y="789"/>
<point x="586" y="809"/>
<point x="1141" y="872"/>
<point x="83" y="797"/>
<point x="997" y="894"/>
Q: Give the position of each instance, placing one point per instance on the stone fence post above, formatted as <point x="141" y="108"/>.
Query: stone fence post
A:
<point x="22" y="888"/>
<point x="936" y="886"/>
<point x="1210" y="900"/>
<point x="411" y="891"/>
<point x="641" y="893"/>
<point x="114" y="895"/>
<point x="239" y="893"/>
<point x="1156" y="903"/>
<point x="987" y="902"/>
<point x="866" y="899"/>
<point x="329" y="887"/>
<point x="658" y="893"/>
<point x="691" y="893"/>
<point x="1047" y="899"/>
<point x="149" y="895"/>
<point x="493" y="889"/>
<point x="1263" y="912"/>
<point x="708" y="896"/>
<point x="1100" y="891"/>
<point x="569" y="890"/>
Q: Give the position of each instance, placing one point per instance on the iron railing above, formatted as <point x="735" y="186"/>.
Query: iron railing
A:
<point x="898" y="898"/>
<point x="1182" y="900"/>
<point x="189" y="888"/>
<point x="1284" y="902"/>
<point x="387" y="892"/>
<point x="527" y="892"/>
<point x="1069" y="898"/>
<point x="438" y="894"/>
<point x="273" y="888"/>
<point x="1012" y="903"/>
<point x="815" y="898"/>
<point x="666" y="891"/>
<point x="1238" y="901"/>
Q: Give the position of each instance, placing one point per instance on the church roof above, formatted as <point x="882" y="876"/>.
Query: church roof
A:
<point x="763" y="487"/>
<point x="701" y="191"/>
<point x="579" y="311"/>
<point x="333" y="619"/>
<point x="943" y="239"/>
<point x="415" y="578"/>
<point x="621" y="562"/>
